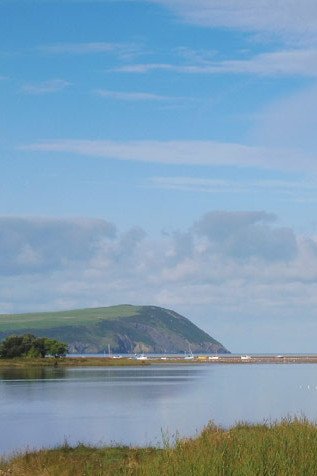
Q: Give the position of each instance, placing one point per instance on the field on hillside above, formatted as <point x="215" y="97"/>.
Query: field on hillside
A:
<point x="43" y="320"/>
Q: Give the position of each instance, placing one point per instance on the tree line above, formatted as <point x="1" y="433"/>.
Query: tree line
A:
<point x="30" y="346"/>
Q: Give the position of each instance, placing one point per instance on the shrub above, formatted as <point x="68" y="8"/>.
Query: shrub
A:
<point x="30" y="346"/>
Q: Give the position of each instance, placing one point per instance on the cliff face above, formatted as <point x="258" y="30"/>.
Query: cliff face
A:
<point x="127" y="329"/>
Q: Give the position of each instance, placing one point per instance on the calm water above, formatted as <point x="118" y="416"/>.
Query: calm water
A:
<point x="136" y="406"/>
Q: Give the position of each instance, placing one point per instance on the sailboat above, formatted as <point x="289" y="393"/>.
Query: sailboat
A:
<point x="112" y="356"/>
<point x="190" y="355"/>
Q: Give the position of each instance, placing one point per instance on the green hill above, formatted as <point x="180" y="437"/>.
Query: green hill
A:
<point x="126" y="328"/>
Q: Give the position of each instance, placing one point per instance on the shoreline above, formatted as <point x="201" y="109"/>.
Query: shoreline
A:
<point x="88" y="361"/>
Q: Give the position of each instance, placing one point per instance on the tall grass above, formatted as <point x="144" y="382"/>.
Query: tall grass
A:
<point x="287" y="448"/>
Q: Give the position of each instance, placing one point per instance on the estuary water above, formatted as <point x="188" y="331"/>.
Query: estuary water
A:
<point x="145" y="405"/>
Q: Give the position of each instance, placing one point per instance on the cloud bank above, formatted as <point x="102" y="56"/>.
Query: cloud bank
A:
<point x="237" y="267"/>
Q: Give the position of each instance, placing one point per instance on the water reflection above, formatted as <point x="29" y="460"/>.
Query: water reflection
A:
<point x="31" y="373"/>
<point x="133" y="405"/>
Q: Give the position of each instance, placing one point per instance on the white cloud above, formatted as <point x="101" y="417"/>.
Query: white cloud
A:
<point x="290" y="120"/>
<point x="295" y="62"/>
<point x="287" y="188"/>
<point x="288" y="18"/>
<point x="146" y="67"/>
<point x="124" y="50"/>
<point x="45" y="87"/>
<point x="130" y="96"/>
<point x="181" y="152"/>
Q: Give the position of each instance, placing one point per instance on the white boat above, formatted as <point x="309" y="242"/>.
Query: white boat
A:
<point x="141" y="357"/>
<point x="189" y="355"/>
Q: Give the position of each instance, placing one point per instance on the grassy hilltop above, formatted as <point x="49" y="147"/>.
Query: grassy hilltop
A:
<point x="125" y="328"/>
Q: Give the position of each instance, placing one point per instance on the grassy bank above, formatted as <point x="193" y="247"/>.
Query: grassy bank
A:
<point x="26" y="362"/>
<point x="70" y="362"/>
<point x="288" y="448"/>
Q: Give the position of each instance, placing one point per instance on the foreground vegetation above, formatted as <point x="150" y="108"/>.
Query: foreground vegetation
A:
<point x="288" y="448"/>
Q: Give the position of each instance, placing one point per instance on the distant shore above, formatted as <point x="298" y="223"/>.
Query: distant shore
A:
<point x="105" y="361"/>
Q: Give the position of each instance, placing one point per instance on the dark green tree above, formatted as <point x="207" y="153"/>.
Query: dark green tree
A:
<point x="54" y="347"/>
<point x="30" y="346"/>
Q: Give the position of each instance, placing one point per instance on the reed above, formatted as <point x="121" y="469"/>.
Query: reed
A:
<point x="285" y="448"/>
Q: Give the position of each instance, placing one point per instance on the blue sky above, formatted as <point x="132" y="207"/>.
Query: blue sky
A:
<point x="162" y="152"/>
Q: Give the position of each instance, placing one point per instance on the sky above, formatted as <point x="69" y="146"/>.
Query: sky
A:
<point x="163" y="152"/>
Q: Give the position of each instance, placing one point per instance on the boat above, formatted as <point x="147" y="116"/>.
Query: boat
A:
<point x="141" y="357"/>
<point x="189" y="355"/>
